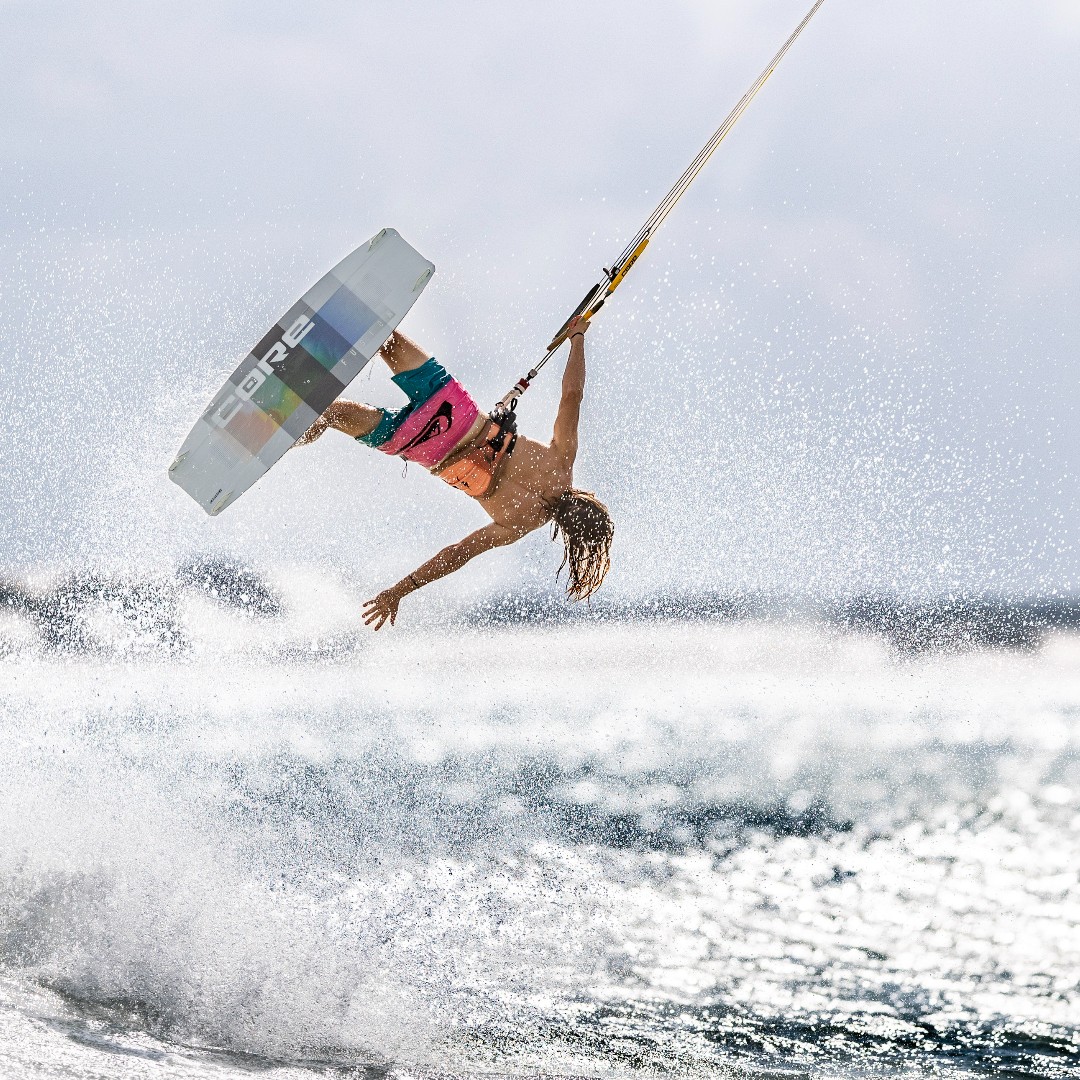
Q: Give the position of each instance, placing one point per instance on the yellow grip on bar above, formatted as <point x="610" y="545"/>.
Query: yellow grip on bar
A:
<point x="617" y="279"/>
<point x="625" y="268"/>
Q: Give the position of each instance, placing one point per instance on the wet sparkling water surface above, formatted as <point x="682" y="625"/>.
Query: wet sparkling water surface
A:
<point x="269" y="845"/>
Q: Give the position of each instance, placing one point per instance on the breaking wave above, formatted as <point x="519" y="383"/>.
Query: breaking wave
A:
<point x="242" y="831"/>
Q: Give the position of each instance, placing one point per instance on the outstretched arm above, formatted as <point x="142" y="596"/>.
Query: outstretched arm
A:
<point x="565" y="437"/>
<point x="385" y="605"/>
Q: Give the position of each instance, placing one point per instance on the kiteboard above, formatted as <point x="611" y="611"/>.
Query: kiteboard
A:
<point x="306" y="360"/>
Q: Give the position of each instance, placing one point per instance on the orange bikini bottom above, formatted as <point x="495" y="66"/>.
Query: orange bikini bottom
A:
<point x="474" y="471"/>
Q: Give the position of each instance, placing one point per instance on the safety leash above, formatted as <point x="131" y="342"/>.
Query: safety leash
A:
<point x="613" y="277"/>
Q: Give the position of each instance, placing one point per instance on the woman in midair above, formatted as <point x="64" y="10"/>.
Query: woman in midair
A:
<point x="521" y="484"/>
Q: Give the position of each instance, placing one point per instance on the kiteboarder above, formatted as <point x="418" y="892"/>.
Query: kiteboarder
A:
<point x="521" y="484"/>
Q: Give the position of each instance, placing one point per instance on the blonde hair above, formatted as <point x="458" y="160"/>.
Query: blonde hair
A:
<point x="587" y="530"/>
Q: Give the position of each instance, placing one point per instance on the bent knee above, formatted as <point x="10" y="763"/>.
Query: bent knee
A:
<point x="402" y="353"/>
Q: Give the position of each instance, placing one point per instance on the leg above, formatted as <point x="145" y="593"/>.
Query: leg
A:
<point x="351" y="417"/>
<point x="402" y="354"/>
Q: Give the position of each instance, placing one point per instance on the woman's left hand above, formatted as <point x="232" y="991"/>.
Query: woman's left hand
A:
<point x="383" y="607"/>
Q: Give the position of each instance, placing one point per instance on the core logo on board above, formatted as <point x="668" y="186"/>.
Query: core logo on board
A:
<point x="257" y="375"/>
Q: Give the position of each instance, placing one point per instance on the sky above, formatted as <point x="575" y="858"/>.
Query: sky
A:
<point x="846" y="364"/>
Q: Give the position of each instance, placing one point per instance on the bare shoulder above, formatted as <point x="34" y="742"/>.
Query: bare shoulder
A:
<point x="517" y="520"/>
<point x="517" y="509"/>
<point x="496" y="534"/>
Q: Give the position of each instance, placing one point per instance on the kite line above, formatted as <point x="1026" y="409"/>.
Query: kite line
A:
<point x="613" y="276"/>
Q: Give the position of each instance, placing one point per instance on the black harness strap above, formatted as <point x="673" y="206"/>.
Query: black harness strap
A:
<point x="507" y="421"/>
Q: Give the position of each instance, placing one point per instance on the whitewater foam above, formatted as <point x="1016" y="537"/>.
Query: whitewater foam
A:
<point x="618" y="846"/>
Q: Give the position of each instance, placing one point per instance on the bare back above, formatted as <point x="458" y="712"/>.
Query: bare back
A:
<point x="536" y="474"/>
<point x="531" y="478"/>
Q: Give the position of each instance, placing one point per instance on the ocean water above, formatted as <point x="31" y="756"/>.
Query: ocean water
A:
<point x="244" y="836"/>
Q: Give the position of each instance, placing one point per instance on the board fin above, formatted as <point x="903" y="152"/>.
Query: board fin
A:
<point x="220" y="503"/>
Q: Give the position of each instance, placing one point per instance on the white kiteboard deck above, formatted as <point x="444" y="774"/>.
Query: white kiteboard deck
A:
<point x="287" y="381"/>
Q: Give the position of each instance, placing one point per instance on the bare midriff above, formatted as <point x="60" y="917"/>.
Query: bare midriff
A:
<point x="479" y="427"/>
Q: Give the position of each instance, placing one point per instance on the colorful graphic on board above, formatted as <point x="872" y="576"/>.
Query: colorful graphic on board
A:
<point x="298" y="368"/>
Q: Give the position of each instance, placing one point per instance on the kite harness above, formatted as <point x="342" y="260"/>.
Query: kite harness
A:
<point x="503" y="414"/>
<point x="473" y="468"/>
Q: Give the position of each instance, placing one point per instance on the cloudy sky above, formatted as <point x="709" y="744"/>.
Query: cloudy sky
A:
<point x="848" y="361"/>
